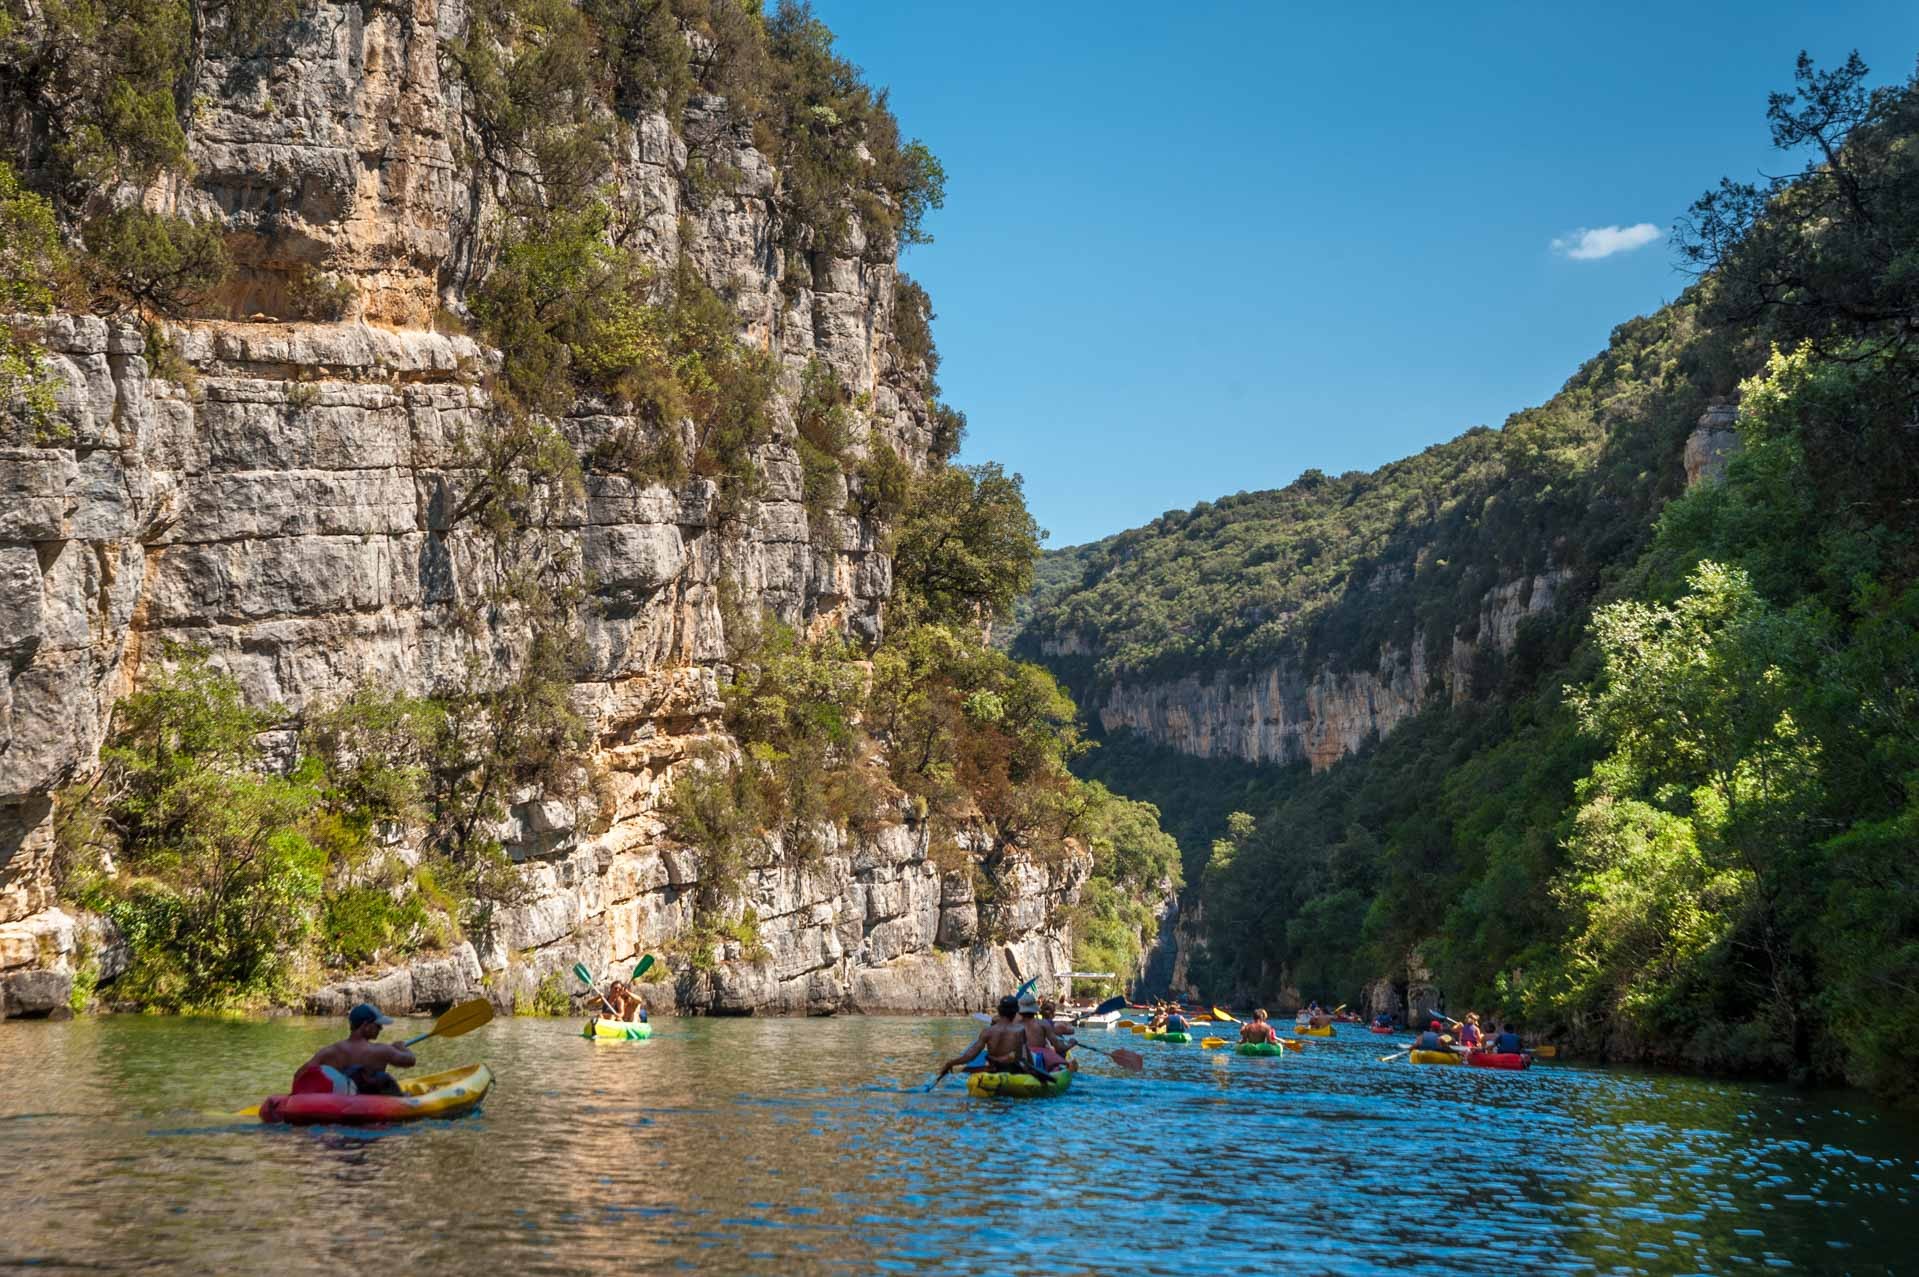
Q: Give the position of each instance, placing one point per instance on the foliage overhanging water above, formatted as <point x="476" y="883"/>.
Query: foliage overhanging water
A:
<point x="804" y="1146"/>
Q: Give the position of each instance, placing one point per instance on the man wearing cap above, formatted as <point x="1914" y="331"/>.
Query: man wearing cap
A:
<point x="357" y="1063"/>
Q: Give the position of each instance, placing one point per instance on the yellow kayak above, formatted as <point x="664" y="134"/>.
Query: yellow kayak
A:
<point x="604" y="1030"/>
<point x="446" y="1094"/>
<point x="1019" y="1086"/>
<point x="1435" y="1057"/>
<point x="1303" y="1031"/>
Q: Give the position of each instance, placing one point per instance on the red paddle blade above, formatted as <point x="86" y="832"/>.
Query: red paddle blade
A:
<point x="1129" y="1059"/>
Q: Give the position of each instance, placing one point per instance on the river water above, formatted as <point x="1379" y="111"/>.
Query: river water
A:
<point x="807" y="1146"/>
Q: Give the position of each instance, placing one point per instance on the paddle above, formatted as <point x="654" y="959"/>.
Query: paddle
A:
<point x="1110" y="1005"/>
<point x="1223" y="1017"/>
<point x="1212" y="1043"/>
<point x="1384" y="1059"/>
<point x="586" y="978"/>
<point x="458" y="1020"/>
<point x="1119" y="1055"/>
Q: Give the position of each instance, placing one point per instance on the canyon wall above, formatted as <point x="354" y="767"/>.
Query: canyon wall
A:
<point x="1284" y="713"/>
<point x="285" y="501"/>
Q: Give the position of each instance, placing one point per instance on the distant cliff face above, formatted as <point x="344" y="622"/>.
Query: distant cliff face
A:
<point x="286" y="506"/>
<point x="1285" y="713"/>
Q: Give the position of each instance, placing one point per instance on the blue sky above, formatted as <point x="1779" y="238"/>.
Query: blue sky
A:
<point x="1184" y="255"/>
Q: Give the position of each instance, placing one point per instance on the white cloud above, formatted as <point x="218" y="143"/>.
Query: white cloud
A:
<point x="1585" y="245"/>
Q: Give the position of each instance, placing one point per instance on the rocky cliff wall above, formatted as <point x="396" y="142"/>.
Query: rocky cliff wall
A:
<point x="286" y="506"/>
<point x="1285" y="713"/>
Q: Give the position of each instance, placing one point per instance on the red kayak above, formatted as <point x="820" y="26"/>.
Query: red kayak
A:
<point x="1381" y="1029"/>
<point x="1495" y="1060"/>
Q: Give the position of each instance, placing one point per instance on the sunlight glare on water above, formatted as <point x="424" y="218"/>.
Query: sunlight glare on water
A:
<point x="807" y="1146"/>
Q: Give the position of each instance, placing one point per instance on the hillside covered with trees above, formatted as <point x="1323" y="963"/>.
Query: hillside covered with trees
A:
<point x="1676" y="819"/>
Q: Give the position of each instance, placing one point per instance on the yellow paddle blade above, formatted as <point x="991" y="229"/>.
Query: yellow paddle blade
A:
<point x="1123" y="1024"/>
<point x="251" y="1110"/>
<point x="1222" y="1017"/>
<point x="464" y="1018"/>
<point x="1211" y="1043"/>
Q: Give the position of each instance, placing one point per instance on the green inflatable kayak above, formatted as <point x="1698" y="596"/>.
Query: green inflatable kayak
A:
<point x="1260" y="1048"/>
<point x="1151" y="1036"/>
<point x="604" y="1030"/>
<point x="1019" y="1086"/>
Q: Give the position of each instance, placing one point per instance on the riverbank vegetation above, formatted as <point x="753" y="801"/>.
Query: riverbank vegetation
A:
<point x="933" y="725"/>
<point x="1675" y="819"/>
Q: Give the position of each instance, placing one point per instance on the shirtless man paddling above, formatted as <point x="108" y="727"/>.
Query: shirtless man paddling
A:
<point x="357" y="1063"/>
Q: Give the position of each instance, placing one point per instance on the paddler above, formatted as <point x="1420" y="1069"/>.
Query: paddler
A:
<point x="1506" y="1042"/>
<point x="1043" y="1042"/>
<point x="1469" y="1035"/>
<point x="1258" y="1030"/>
<point x="357" y="1063"/>
<point x="626" y="1003"/>
<point x="1048" y="1015"/>
<point x="1004" y="1041"/>
<point x="1433" y="1040"/>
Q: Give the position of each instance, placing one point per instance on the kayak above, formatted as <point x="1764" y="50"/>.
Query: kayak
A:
<point x="1495" y="1060"/>
<point x="1382" y="1029"/>
<point x="1260" y="1048"/>
<point x="1434" y="1057"/>
<point x="1018" y="1086"/>
<point x="1545" y="1052"/>
<point x="1303" y="1031"/>
<point x="1154" y="1035"/>
<point x="446" y="1094"/>
<point x="1106" y="1021"/>
<point x="604" y="1030"/>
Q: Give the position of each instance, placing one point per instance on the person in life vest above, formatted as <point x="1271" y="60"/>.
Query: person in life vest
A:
<point x="1258" y="1030"/>
<point x="357" y="1064"/>
<point x="1170" y="1021"/>
<point x="1506" y="1042"/>
<point x="1433" y="1040"/>
<point x="1469" y="1035"/>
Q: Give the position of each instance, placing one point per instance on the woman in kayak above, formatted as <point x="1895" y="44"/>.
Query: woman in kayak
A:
<point x="1433" y="1040"/>
<point x="357" y="1064"/>
<point x="1258" y="1030"/>
<point x="626" y="1003"/>
<point x="1469" y="1035"/>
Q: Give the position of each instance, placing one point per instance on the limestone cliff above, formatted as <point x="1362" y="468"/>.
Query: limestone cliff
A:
<point x="284" y="501"/>
<point x="1286" y="713"/>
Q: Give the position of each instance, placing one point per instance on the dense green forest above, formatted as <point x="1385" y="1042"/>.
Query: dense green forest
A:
<point x="1679" y="820"/>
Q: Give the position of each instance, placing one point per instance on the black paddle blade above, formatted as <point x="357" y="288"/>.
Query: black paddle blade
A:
<point x="1111" y="1004"/>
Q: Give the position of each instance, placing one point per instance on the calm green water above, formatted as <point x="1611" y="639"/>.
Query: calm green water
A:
<point x="804" y="1146"/>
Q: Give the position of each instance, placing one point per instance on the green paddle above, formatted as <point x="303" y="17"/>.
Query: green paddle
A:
<point x="585" y="977"/>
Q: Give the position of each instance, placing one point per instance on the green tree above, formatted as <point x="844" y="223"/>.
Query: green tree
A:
<point x="965" y="548"/>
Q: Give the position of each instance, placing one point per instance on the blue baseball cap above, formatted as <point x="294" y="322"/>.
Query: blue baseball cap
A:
<point x="366" y="1013"/>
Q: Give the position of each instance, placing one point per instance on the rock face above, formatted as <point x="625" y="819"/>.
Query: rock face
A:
<point x="289" y="512"/>
<point x="1713" y="443"/>
<point x="1284" y="713"/>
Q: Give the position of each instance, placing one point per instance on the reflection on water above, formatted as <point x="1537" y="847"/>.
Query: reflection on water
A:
<point x="806" y="1146"/>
